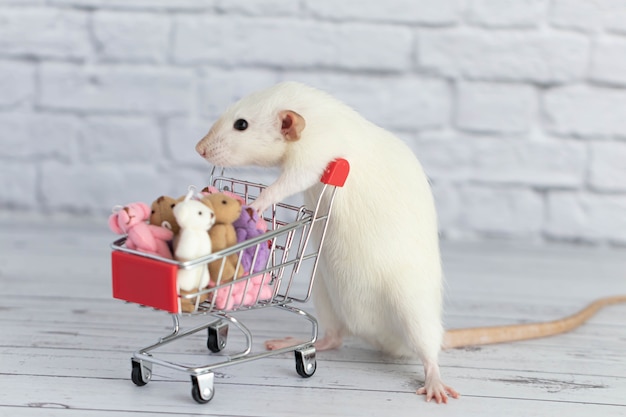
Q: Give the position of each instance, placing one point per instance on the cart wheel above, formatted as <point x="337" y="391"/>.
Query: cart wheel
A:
<point x="141" y="373"/>
<point x="202" y="389"/>
<point x="305" y="361"/>
<point x="218" y="334"/>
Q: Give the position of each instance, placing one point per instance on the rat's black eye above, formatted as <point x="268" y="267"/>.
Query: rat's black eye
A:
<point x="241" y="124"/>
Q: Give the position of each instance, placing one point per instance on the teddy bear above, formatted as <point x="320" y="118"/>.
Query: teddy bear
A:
<point x="247" y="226"/>
<point x="214" y="190"/>
<point x="162" y="212"/>
<point x="227" y="210"/>
<point x="141" y="236"/>
<point x="261" y="225"/>
<point x="194" y="219"/>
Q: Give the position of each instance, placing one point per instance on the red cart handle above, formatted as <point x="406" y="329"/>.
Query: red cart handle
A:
<point x="336" y="172"/>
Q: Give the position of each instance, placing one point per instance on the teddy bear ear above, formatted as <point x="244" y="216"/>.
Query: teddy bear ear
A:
<point x="143" y="209"/>
<point x="113" y="224"/>
<point x="207" y="202"/>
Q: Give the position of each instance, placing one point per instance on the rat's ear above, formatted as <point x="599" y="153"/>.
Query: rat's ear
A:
<point x="292" y="125"/>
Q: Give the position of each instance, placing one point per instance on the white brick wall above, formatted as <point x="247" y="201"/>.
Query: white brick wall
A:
<point x="44" y="32"/>
<point x="497" y="108"/>
<point x="513" y="55"/>
<point x="136" y="37"/>
<point x="517" y="108"/>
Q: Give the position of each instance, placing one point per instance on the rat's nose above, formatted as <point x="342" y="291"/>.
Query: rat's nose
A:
<point x="201" y="149"/>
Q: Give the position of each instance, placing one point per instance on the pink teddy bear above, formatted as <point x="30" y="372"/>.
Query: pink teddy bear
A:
<point x="141" y="236"/>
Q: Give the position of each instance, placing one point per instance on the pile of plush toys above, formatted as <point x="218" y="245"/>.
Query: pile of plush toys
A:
<point x="197" y="225"/>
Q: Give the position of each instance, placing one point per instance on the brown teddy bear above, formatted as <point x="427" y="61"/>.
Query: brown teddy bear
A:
<point x="162" y="210"/>
<point x="227" y="210"/>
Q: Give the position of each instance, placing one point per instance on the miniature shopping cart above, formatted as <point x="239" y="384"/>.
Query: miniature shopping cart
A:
<point x="294" y="238"/>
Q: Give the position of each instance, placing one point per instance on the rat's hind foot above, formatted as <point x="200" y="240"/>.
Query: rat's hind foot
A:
<point x="329" y="341"/>
<point x="439" y="392"/>
<point x="434" y="387"/>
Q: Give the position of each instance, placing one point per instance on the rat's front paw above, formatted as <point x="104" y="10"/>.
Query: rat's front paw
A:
<point x="259" y="205"/>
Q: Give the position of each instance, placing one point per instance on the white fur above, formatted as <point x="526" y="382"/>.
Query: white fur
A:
<point x="194" y="219"/>
<point x="380" y="274"/>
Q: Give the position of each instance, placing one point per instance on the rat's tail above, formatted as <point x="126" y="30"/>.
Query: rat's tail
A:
<point x="498" y="334"/>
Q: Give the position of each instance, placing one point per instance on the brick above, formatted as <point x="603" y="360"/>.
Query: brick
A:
<point x="121" y="140"/>
<point x="17" y="83"/>
<point x="114" y="89"/>
<point x="615" y="16"/>
<point x="545" y="164"/>
<point x="182" y="135"/>
<point x="507" y="13"/>
<point x="289" y="43"/>
<point x="22" y="3"/>
<point x="501" y="211"/>
<point x="431" y="12"/>
<point x="169" y="5"/>
<point x="395" y="103"/>
<point x="589" y="15"/>
<point x="445" y="159"/>
<point x="586" y="217"/>
<point x="500" y="108"/>
<point x="591" y="112"/>
<point x="607" y="167"/>
<point x="142" y="37"/>
<point x="28" y="136"/>
<point x="96" y="188"/>
<point x="44" y="33"/>
<point x="447" y="206"/>
<point x="259" y="7"/>
<point x="18" y="185"/>
<point x="608" y="61"/>
<point x="180" y="177"/>
<point x="509" y="56"/>
<point x="218" y="89"/>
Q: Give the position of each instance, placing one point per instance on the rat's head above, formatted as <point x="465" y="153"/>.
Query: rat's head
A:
<point x="257" y="130"/>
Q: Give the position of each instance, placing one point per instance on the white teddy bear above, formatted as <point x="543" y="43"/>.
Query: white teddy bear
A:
<point x="193" y="241"/>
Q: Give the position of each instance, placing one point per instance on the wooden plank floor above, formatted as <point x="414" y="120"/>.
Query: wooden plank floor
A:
<point x="66" y="344"/>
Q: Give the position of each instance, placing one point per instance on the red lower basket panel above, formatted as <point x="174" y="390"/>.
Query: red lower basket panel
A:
<point x="144" y="281"/>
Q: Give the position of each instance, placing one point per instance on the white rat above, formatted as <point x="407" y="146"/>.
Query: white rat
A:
<point x="193" y="241"/>
<point x="380" y="275"/>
